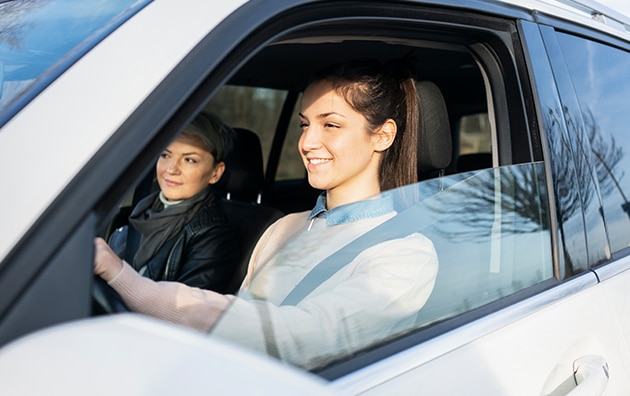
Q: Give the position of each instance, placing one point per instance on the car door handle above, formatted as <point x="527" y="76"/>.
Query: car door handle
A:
<point x="591" y="376"/>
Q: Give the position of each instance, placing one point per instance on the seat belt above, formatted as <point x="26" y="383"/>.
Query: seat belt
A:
<point x="397" y="227"/>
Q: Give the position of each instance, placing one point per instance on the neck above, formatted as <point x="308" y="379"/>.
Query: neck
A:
<point x="335" y="198"/>
<point x="168" y="202"/>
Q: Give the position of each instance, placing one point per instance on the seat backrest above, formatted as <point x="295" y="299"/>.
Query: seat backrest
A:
<point x="241" y="187"/>
<point x="435" y="144"/>
<point x="244" y="177"/>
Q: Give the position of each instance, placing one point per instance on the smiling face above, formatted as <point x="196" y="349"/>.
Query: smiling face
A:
<point x="339" y="152"/>
<point x="186" y="167"/>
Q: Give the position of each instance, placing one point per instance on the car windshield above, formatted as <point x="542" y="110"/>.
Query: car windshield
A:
<point x="331" y="294"/>
<point x="39" y="39"/>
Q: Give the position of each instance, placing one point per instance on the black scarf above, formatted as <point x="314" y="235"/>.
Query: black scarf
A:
<point x="157" y="224"/>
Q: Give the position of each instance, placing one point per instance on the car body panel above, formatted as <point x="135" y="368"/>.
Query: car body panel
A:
<point x="532" y="355"/>
<point x="173" y="360"/>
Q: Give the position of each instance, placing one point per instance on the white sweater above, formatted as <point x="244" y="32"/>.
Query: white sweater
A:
<point x="372" y="298"/>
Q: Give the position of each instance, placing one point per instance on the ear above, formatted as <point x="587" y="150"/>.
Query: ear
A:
<point x="384" y="137"/>
<point x="217" y="173"/>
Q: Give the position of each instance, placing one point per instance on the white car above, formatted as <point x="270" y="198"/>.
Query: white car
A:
<point x="523" y="187"/>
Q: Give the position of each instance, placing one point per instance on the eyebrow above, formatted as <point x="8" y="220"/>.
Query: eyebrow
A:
<point x="184" y="154"/>
<point x="324" y="115"/>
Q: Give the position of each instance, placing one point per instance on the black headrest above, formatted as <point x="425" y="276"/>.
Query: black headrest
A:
<point x="243" y="178"/>
<point x="434" y="135"/>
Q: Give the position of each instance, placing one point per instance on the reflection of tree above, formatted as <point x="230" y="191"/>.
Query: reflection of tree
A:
<point x="608" y="155"/>
<point x="11" y="26"/>
<point x="509" y="197"/>
<point x="514" y="198"/>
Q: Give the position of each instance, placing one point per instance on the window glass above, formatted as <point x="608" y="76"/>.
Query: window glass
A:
<point x="601" y="77"/>
<point x="256" y="109"/>
<point x="290" y="166"/>
<point x="36" y="35"/>
<point x="475" y="134"/>
<point x="488" y="229"/>
<point x="475" y="143"/>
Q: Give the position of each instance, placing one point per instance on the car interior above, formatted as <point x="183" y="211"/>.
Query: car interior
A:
<point x="265" y="177"/>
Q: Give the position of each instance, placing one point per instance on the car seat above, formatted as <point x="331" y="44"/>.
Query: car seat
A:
<point x="435" y="144"/>
<point x="240" y="189"/>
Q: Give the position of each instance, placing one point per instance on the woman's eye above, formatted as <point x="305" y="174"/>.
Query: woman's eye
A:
<point x="164" y="155"/>
<point x="329" y="125"/>
<point x="303" y="125"/>
<point x="191" y="160"/>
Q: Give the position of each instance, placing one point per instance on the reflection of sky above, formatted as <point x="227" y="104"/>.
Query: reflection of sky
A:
<point x="601" y="76"/>
<point x="44" y="33"/>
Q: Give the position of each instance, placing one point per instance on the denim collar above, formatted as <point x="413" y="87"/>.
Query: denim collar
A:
<point x="354" y="211"/>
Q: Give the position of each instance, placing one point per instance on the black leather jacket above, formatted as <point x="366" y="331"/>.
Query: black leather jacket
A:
<point x="204" y="254"/>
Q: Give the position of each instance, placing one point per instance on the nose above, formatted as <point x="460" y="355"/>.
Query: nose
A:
<point x="172" y="166"/>
<point x="310" y="139"/>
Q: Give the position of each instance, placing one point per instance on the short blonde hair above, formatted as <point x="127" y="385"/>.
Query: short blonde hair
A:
<point x="215" y="135"/>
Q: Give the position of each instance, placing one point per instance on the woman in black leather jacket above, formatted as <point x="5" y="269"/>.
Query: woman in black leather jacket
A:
<point x="183" y="234"/>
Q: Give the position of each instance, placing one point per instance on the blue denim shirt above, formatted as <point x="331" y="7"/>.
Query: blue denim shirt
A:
<point x="354" y="211"/>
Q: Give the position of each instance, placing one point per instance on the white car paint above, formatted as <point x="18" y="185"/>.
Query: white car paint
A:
<point x="534" y="355"/>
<point x="104" y="356"/>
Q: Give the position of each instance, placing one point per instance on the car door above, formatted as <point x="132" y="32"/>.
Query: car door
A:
<point x="572" y="327"/>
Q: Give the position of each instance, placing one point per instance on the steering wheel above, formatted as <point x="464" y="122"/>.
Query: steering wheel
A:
<point x="106" y="300"/>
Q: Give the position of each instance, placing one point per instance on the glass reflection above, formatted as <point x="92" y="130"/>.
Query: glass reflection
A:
<point x="36" y="36"/>
<point x="601" y="77"/>
<point x="490" y="230"/>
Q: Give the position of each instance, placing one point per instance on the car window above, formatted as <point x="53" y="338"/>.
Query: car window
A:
<point x="490" y="229"/>
<point x="39" y="39"/>
<point x="601" y="76"/>
<point x="290" y="165"/>
<point x="474" y="134"/>
<point x="489" y="226"/>
<point x="255" y="108"/>
<point x="474" y="148"/>
<point x="259" y="110"/>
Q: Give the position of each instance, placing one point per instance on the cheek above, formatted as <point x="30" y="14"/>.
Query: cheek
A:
<point x="300" y="142"/>
<point x="203" y="176"/>
<point x="159" y="167"/>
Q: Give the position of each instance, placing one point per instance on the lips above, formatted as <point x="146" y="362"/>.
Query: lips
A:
<point x="172" y="183"/>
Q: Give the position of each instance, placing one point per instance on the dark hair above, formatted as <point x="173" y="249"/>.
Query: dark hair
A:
<point x="216" y="136"/>
<point x="381" y="92"/>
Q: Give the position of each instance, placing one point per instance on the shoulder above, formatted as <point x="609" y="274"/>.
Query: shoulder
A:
<point x="288" y="224"/>
<point x="209" y="215"/>
<point x="277" y="234"/>
<point x="293" y="219"/>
